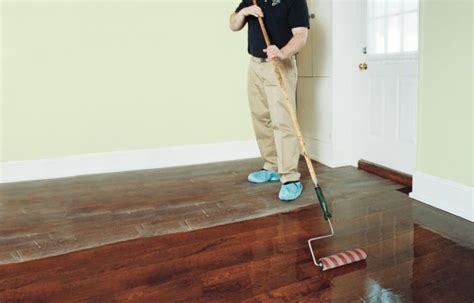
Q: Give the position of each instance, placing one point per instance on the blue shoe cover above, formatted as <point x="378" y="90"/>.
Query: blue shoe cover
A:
<point x="290" y="191"/>
<point x="263" y="176"/>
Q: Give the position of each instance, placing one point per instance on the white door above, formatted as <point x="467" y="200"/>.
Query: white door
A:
<point x="389" y="111"/>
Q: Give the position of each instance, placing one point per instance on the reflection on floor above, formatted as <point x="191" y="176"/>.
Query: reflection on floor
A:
<point x="47" y="218"/>
<point x="415" y="254"/>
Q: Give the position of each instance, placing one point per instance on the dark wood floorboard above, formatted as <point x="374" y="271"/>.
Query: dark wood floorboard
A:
<point x="267" y="260"/>
<point x="52" y="217"/>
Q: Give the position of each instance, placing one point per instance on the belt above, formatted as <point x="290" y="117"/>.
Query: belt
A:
<point x="261" y="60"/>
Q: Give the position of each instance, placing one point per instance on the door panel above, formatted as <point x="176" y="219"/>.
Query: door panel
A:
<point x="407" y="109"/>
<point x="391" y="110"/>
<point x="322" y="38"/>
<point x="376" y="106"/>
<point x="304" y="59"/>
<point x="314" y="112"/>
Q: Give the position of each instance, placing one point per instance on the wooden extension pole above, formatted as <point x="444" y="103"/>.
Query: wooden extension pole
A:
<point x="296" y="125"/>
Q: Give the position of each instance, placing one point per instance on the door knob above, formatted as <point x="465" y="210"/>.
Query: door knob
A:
<point x="363" y="66"/>
<point x="312" y="16"/>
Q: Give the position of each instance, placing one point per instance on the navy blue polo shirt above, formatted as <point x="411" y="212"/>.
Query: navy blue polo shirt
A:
<point x="279" y="16"/>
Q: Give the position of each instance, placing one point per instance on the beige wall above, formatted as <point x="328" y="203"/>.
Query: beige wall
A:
<point x="445" y="107"/>
<point x="99" y="76"/>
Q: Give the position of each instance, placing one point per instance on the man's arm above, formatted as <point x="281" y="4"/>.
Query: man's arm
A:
<point x="237" y="20"/>
<point x="296" y="43"/>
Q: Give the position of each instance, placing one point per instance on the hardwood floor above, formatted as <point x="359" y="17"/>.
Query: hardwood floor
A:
<point x="267" y="260"/>
<point x="46" y="218"/>
<point x="415" y="253"/>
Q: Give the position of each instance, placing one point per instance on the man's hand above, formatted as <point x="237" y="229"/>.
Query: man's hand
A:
<point x="253" y="10"/>
<point x="237" y="20"/>
<point x="274" y="52"/>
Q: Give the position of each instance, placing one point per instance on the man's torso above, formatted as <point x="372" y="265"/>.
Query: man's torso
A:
<point x="277" y="21"/>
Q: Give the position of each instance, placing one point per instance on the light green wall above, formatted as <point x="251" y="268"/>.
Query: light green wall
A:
<point x="100" y="76"/>
<point x="86" y="77"/>
<point x="445" y="107"/>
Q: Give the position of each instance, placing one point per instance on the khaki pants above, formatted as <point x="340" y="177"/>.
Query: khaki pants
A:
<point x="274" y="130"/>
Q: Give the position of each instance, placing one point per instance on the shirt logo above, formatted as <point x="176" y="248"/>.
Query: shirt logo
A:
<point x="275" y="2"/>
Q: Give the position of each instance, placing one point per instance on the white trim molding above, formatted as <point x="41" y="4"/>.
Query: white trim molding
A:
<point x="447" y="195"/>
<point x="118" y="161"/>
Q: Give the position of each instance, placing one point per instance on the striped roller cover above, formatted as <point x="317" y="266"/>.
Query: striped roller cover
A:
<point x="342" y="258"/>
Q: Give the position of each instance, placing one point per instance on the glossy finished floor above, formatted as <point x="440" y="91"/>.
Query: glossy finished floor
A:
<point x="416" y="254"/>
<point x="265" y="260"/>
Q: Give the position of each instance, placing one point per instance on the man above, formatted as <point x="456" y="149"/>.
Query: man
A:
<point x="287" y="23"/>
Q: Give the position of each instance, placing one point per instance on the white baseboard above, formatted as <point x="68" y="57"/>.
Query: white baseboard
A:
<point x="444" y="194"/>
<point x="126" y="160"/>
